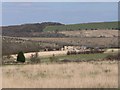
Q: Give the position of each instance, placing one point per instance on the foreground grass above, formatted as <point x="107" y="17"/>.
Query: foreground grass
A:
<point x="70" y="75"/>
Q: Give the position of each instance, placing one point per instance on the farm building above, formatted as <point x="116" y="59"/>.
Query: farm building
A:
<point x="73" y="48"/>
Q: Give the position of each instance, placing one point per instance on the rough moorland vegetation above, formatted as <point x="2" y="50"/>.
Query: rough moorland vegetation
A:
<point x="12" y="45"/>
<point x="35" y="29"/>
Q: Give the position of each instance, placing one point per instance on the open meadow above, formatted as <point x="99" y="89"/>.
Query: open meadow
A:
<point x="102" y="74"/>
<point x="59" y="45"/>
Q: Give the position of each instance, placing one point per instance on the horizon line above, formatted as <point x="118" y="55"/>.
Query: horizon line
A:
<point x="58" y="22"/>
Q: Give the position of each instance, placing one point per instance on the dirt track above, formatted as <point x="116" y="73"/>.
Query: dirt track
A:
<point x="43" y="54"/>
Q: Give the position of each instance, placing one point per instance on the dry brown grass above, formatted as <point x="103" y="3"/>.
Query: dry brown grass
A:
<point x="79" y="41"/>
<point x="91" y="33"/>
<point x="70" y="75"/>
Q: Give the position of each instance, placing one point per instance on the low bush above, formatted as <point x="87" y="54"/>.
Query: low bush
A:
<point x="71" y="52"/>
<point x="53" y="59"/>
<point x="35" y="58"/>
<point x="21" y="57"/>
<point x="113" y="57"/>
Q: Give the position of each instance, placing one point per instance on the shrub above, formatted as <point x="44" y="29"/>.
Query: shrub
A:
<point x="68" y="52"/>
<point x="34" y="58"/>
<point x="21" y="57"/>
<point x="53" y="58"/>
<point x="73" y="52"/>
<point x="113" y="57"/>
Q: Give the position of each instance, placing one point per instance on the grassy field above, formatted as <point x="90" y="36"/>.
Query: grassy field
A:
<point x="70" y="75"/>
<point x="85" y="26"/>
<point x="78" y="57"/>
<point x="80" y="41"/>
<point x="91" y="33"/>
<point x="84" y="56"/>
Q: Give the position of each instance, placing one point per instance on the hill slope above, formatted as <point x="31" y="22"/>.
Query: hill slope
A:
<point x="35" y="29"/>
<point x="12" y="45"/>
<point x="85" y="26"/>
<point x="53" y="29"/>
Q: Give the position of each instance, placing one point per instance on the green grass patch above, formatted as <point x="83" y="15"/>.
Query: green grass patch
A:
<point x="84" y="56"/>
<point x="85" y="26"/>
<point x="78" y="57"/>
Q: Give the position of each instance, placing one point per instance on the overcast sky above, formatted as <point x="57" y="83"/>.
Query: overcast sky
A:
<point x="64" y="12"/>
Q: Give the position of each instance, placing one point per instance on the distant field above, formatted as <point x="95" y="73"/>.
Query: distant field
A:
<point x="77" y="57"/>
<point x="33" y="44"/>
<point x="12" y="45"/>
<point x="80" y="41"/>
<point x="90" y="33"/>
<point x="84" y="56"/>
<point x="85" y="26"/>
